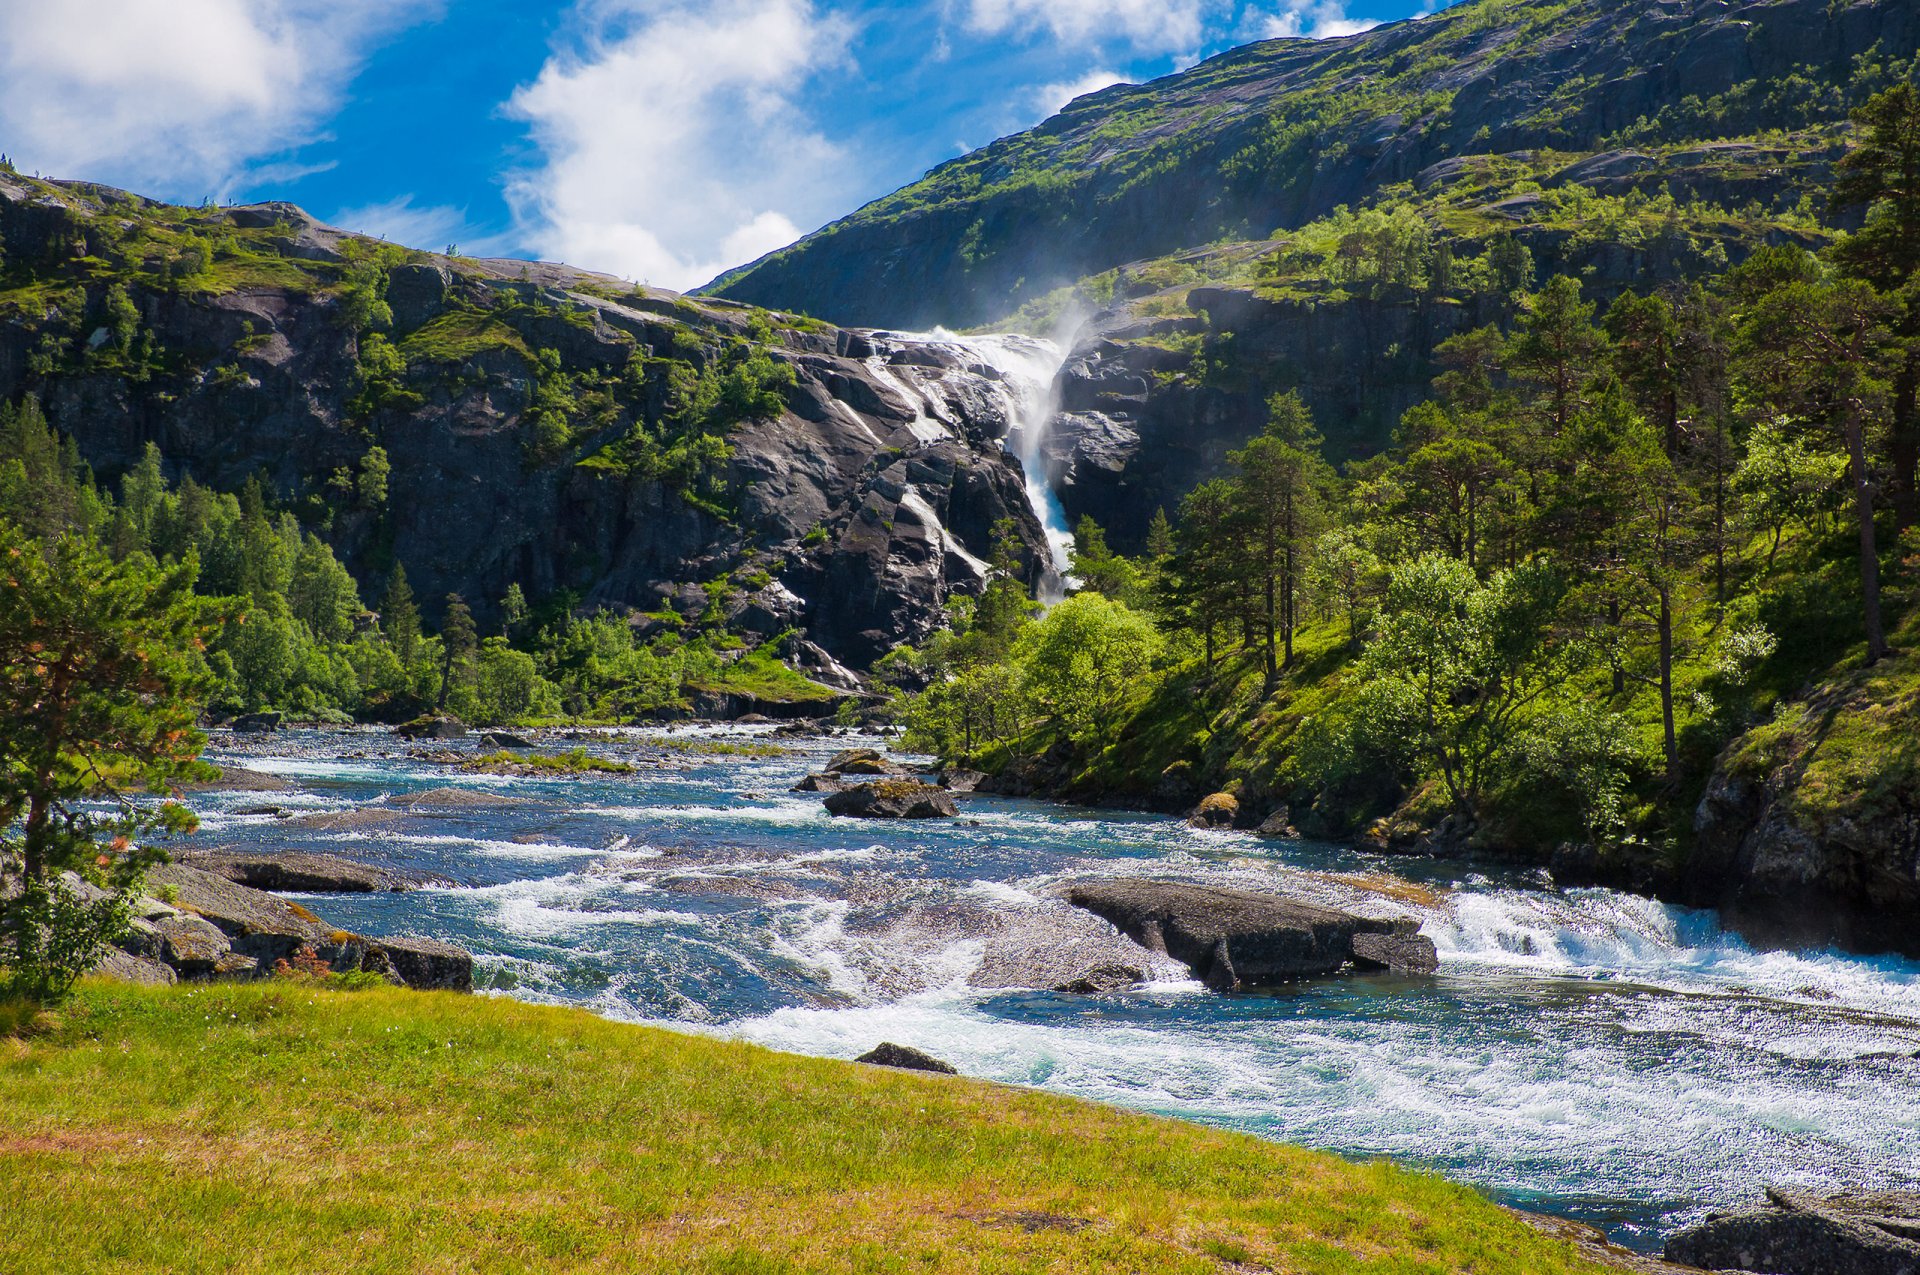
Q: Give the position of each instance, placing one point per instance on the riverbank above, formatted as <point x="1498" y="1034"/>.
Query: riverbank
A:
<point x="280" y="1126"/>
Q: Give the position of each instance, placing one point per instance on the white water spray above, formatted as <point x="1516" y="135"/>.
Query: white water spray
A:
<point x="1029" y="370"/>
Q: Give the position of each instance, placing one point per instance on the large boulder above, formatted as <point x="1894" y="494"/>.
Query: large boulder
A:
<point x="863" y="761"/>
<point x="428" y="964"/>
<point x="431" y="727"/>
<point x="821" y="783"/>
<point x="1231" y="938"/>
<point x="256" y="924"/>
<point x="907" y="1058"/>
<point x="256" y="723"/>
<point x="1402" y="952"/>
<point x="303" y="873"/>
<point x="1796" y="1234"/>
<point x="893" y="799"/>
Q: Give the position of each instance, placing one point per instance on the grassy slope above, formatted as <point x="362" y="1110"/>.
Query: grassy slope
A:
<point x="279" y="1127"/>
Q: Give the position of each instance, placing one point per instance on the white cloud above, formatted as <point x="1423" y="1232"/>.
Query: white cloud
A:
<point x="1317" y="19"/>
<point x="177" y="96"/>
<point x="673" y="140"/>
<point x="1146" y="24"/>
<point x="430" y="227"/>
<point x="1051" y="98"/>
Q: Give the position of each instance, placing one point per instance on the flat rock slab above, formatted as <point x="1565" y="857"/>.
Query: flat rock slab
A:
<point x="257" y="924"/>
<point x="428" y="964"/>
<point x="1873" y="1233"/>
<point x="1400" y="953"/>
<point x="304" y="873"/>
<point x="1230" y="938"/>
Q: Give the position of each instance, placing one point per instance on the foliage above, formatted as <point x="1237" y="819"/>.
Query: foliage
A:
<point x="100" y="674"/>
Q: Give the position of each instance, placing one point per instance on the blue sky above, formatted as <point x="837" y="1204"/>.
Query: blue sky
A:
<point x="661" y="140"/>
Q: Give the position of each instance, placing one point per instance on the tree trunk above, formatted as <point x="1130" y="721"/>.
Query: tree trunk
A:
<point x="1666" y="681"/>
<point x="1869" y="551"/>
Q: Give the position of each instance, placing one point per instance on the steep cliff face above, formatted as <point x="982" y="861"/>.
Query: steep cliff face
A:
<point x="525" y="410"/>
<point x="1276" y="134"/>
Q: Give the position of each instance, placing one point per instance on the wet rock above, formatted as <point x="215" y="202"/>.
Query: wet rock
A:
<point x="428" y="964"/>
<point x="820" y="783"/>
<point x="504" y="739"/>
<point x="304" y="873"/>
<point x="457" y="798"/>
<point x="1229" y="938"/>
<point x="907" y="1058"/>
<point x="1866" y="1234"/>
<point x="955" y="779"/>
<point x="256" y="723"/>
<point x="1216" y="810"/>
<point x="239" y="779"/>
<point x="1102" y="980"/>
<point x="1401" y="952"/>
<point x="1279" y="826"/>
<point x="863" y="761"/>
<point x="432" y="727"/>
<point x="893" y="799"/>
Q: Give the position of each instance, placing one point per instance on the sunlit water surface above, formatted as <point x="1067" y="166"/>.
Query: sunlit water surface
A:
<point x="1587" y="1053"/>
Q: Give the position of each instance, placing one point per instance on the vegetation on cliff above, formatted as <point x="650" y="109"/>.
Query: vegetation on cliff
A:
<point x="1607" y="546"/>
<point x="295" y="636"/>
<point x="149" y="1123"/>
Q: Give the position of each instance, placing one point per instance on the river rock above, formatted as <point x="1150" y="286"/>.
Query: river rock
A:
<point x="504" y="739"/>
<point x="1216" y="810"/>
<point x="1103" y="979"/>
<point x="255" y="924"/>
<point x="431" y="727"/>
<point x="907" y="1058"/>
<point x="1229" y="938"/>
<point x="863" y="761"/>
<point x="428" y="964"/>
<point x="893" y="799"/>
<point x="1797" y="1234"/>
<point x="304" y="873"/>
<point x="954" y="779"/>
<point x="821" y="783"/>
<point x="1403" y="952"/>
<point x="256" y="723"/>
<point x="238" y="779"/>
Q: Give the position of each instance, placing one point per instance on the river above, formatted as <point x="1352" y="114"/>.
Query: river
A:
<point x="1586" y="1053"/>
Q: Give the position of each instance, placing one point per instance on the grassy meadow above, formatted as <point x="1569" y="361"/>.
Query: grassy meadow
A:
<point x="284" y="1126"/>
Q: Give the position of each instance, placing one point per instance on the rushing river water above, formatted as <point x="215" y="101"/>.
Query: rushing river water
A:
<point x="1587" y="1053"/>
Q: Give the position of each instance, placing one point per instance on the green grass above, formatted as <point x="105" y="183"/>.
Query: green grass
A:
<point x="460" y="335"/>
<point x="275" y="1127"/>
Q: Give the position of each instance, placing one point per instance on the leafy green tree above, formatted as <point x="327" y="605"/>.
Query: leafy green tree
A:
<point x="1786" y="479"/>
<point x="370" y="487"/>
<point x="1083" y="662"/>
<point x="1456" y="668"/>
<point x="321" y="594"/>
<point x="1100" y="570"/>
<point x="100" y="678"/>
<point x="513" y="611"/>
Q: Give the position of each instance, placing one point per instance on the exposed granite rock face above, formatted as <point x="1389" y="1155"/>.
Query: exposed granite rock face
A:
<point x="1277" y="133"/>
<point x="876" y="489"/>
<point x="1233" y="938"/>
<point x="1868" y="1234"/>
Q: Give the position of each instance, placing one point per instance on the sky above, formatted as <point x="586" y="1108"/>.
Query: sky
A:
<point x="660" y="140"/>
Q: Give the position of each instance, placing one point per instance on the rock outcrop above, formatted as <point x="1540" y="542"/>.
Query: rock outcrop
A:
<point x="1800" y="1234"/>
<point x="209" y="927"/>
<point x="893" y="799"/>
<point x="303" y="873"/>
<point x="866" y="501"/>
<point x="907" y="1058"/>
<point x="1236" y="938"/>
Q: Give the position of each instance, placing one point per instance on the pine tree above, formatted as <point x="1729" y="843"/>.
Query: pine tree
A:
<point x="400" y="617"/>
<point x="461" y="640"/>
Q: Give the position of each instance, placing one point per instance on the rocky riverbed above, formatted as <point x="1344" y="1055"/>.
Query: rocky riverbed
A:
<point x="1588" y="1054"/>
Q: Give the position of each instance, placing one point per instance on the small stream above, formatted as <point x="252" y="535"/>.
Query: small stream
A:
<point x="1587" y="1053"/>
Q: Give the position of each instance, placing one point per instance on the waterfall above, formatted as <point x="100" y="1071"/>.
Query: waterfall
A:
<point x="1029" y="369"/>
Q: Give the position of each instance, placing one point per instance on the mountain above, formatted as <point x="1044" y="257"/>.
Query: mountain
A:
<point x="1319" y="215"/>
<point x="1274" y="135"/>
<point x="539" y="425"/>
